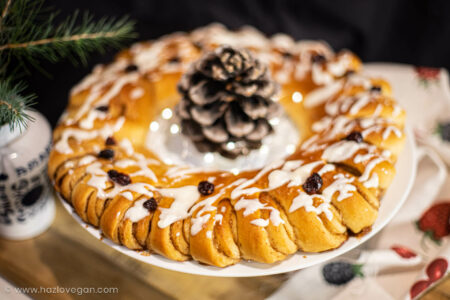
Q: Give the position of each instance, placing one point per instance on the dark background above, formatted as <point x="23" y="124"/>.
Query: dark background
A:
<point x="405" y="31"/>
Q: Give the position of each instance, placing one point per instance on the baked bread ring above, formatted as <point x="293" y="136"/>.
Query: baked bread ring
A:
<point x="328" y="189"/>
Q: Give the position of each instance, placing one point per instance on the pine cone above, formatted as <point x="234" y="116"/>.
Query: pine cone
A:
<point x="226" y="97"/>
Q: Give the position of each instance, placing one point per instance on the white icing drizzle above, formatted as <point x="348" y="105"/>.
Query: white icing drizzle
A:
<point x="326" y="168"/>
<point x="218" y="218"/>
<point x="390" y="129"/>
<point x="126" y="145"/>
<point x="137" y="212"/>
<point x="252" y="205"/>
<point x="343" y="150"/>
<point x="86" y="160"/>
<point x="88" y="121"/>
<point x="242" y="188"/>
<point x="260" y="222"/>
<point x="341" y="185"/>
<point x="69" y="164"/>
<point x="184" y="198"/>
<point x="297" y="177"/>
<point x="368" y="170"/>
<point x="306" y="201"/>
<point x="127" y="195"/>
<point x="79" y="135"/>
<point x="320" y="76"/>
<point x="125" y="163"/>
<point x="361" y="102"/>
<point x="322" y="94"/>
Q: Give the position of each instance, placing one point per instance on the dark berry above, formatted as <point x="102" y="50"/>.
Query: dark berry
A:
<point x="355" y="136"/>
<point x="103" y="108"/>
<point x="110" y="141"/>
<point x="318" y="58"/>
<point x="150" y="204"/>
<point x="375" y="88"/>
<point x="349" y="72"/>
<point x="131" y="68"/>
<point x="118" y="177"/>
<point x="313" y="184"/>
<point x="340" y="272"/>
<point x="287" y="54"/>
<point x="106" y="154"/>
<point x="444" y="131"/>
<point x="205" y="188"/>
<point x="174" y="60"/>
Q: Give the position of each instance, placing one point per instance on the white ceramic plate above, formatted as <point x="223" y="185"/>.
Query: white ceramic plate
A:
<point x="390" y="204"/>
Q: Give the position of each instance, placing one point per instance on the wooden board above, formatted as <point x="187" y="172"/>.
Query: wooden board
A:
<point x="68" y="256"/>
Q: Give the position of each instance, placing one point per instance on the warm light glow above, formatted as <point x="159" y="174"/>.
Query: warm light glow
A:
<point x="174" y="129"/>
<point x="297" y="97"/>
<point x="274" y="121"/>
<point x="167" y="113"/>
<point x="235" y="171"/>
<point x="264" y="149"/>
<point x="231" y="145"/>
<point x="208" y="158"/>
<point x="154" y="126"/>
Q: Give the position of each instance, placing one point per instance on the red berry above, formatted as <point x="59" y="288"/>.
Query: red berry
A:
<point x="404" y="252"/>
<point x="436" y="220"/>
<point x="437" y="268"/>
<point x="418" y="288"/>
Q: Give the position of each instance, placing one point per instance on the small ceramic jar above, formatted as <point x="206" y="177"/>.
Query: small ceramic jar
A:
<point x="26" y="204"/>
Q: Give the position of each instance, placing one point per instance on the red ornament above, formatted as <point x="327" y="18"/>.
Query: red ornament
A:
<point x="435" y="221"/>
<point x="437" y="268"/>
<point x="418" y="288"/>
<point x="404" y="252"/>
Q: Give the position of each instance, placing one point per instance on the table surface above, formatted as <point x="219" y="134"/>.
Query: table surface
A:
<point x="68" y="256"/>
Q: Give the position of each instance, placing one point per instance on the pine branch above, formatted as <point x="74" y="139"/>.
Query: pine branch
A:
<point x="28" y="33"/>
<point x="14" y="107"/>
<point x="6" y="9"/>
<point x="66" y="40"/>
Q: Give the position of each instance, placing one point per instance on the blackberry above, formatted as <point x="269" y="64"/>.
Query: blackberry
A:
<point x="341" y="272"/>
